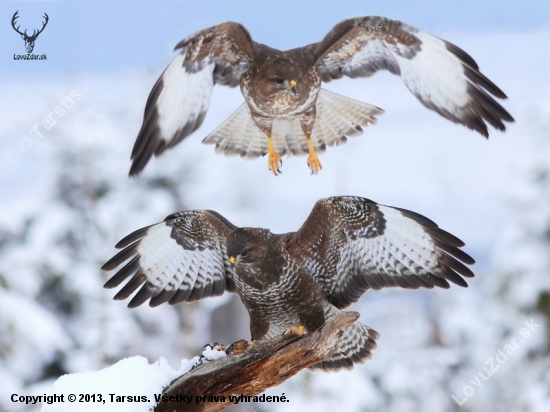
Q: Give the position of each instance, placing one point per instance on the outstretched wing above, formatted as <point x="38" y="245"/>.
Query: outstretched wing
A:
<point x="441" y="75"/>
<point x="180" y="99"/>
<point x="182" y="259"/>
<point x="351" y="244"/>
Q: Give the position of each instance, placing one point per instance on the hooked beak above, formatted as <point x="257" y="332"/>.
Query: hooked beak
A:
<point x="293" y="86"/>
<point x="233" y="261"/>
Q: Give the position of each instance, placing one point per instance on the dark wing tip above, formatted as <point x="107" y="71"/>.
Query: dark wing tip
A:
<point x="432" y="281"/>
<point x="454" y="251"/>
<point x="147" y="144"/>
<point x="483" y="108"/>
<point x="120" y="257"/>
<point x="454" y="277"/>
<point x="138" y="279"/>
<point x="131" y="267"/>
<point x="130" y="244"/>
<point x="145" y="293"/>
<point x="471" y="70"/>
<point x="150" y="141"/>
<point x="444" y="236"/>
<point x="132" y="237"/>
<point x="423" y="220"/>
<point x="162" y="297"/>
<point x="180" y="296"/>
<point x="480" y="79"/>
<point x="456" y="265"/>
<point x="462" y="55"/>
<point x="109" y="265"/>
<point x="451" y="259"/>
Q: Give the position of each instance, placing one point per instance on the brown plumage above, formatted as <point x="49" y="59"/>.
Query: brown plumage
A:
<point x="291" y="282"/>
<point x="286" y="112"/>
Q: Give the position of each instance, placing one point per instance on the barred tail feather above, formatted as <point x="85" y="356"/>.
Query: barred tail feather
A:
<point x="238" y="136"/>
<point x="355" y="346"/>
<point x="338" y="117"/>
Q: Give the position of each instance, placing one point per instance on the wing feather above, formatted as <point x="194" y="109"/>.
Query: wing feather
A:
<point x="181" y="259"/>
<point x="180" y="98"/>
<point x="351" y="244"/>
<point x="443" y="77"/>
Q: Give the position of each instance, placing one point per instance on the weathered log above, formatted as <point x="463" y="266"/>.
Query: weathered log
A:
<point x="265" y="364"/>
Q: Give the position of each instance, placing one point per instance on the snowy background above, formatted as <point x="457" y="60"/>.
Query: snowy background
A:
<point x="66" y="200"/>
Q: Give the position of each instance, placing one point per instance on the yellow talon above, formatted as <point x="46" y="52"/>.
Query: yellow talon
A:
<point x="312" y="160"/>
<point x="299" y="331"/>
<point x="274" y="161"/>
<point x="239" y="347"/>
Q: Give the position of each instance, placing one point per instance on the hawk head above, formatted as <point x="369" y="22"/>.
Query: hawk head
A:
<point x="247" y="245"/>
<point x="279" y="75"/>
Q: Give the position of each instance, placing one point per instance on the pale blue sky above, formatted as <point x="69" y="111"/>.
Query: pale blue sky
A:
<point x="110" y="35"/>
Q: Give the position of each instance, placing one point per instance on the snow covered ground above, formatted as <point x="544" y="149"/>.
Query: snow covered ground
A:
<point x="129" y="385"/>
<point x="66" y="200"/>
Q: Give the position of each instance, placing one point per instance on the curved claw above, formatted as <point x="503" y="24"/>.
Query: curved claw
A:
<point x="313" y="161"/>
<point x="274" y="161"/>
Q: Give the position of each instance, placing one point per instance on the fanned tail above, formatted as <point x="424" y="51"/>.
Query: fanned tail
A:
<point x="355" y="346"/>
<point x="238" y="136"/>
<point x="338" y="117"/>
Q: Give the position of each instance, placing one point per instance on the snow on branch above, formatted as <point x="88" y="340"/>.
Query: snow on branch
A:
<point x="221" y="383"/>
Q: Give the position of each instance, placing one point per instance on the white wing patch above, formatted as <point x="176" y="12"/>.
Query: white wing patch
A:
<point x="160" y="257"/>
<point x="168" y="266"/>
<point x="372" y="246"/>
<point x="169" y="271"/>
<point x="407" y="232"/>
<point x="441" y="75"/>
<point x="404" y="249"/>
<point x="175" y="108"/>
<point x="184" y="99"/>
<point x="436" y="76"/>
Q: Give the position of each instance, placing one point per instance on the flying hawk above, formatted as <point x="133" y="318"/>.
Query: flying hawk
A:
<point x="285" y="111"/>
<point x="291" y="282"/>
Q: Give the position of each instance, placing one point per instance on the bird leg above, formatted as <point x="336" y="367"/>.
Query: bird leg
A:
<point x="312" y="160"/>
<point x="274" y="161"/>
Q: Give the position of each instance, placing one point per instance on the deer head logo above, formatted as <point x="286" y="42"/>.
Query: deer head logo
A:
<point x="29" y="40"/>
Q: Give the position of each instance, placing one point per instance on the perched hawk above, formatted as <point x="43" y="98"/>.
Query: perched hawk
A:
<point x="285" y="111"/>
<point x="295" y="281"/>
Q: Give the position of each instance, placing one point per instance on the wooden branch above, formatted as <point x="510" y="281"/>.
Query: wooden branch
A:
<point x="265" y="364"/>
